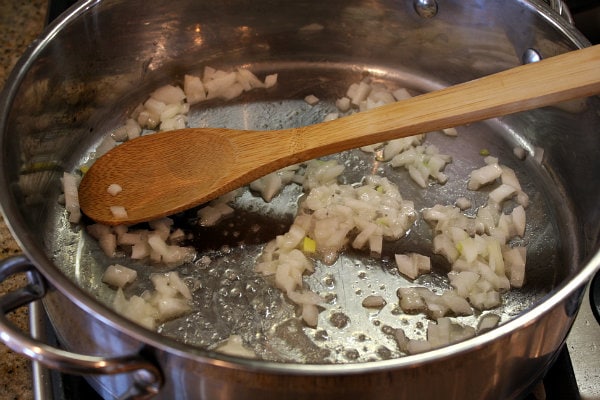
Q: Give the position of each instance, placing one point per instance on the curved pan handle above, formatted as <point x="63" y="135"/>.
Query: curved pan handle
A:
<point x="148" y="378"/>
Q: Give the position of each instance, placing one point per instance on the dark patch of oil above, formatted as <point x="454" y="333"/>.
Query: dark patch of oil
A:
<point x="242" y="228"/>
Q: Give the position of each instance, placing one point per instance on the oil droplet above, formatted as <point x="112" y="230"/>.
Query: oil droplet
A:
<point x="235" y="292"/>
<point x="361" y="337"/>
<point x="384" y="353"/>
<point x="231" y="274"/>
<point x="339" y="320"/>
<point x="352" y="354"/>
<point x="329" y="281"/>
<point x="321" y="335"/>
<point x="331" y="298"/>
<point x="388" y="330"/>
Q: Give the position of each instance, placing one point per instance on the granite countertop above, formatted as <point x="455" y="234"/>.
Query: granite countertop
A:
<point x="20" y="23"/>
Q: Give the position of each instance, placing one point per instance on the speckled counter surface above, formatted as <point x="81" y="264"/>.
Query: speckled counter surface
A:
<point x="21" y="21"/>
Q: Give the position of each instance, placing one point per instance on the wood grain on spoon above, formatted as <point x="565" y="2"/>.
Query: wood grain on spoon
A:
<point x="168" y="172"/>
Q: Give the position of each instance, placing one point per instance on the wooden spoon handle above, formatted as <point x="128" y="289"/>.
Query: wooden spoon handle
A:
<point x="177" y="170"/>
<point x="571" y="75"/>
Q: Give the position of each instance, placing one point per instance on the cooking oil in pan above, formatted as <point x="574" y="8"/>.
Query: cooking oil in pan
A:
<point x="229" y="298"/>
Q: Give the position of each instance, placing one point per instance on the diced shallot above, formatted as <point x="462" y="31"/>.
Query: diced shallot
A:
<point x="484" y="175"/>
<point x="118" y="275"/>
<point x="270" y="80"/>
<point x="194" y="89"/>
<point x="374" y="302"/>
<point x="234" y="346"/>
<point x="168" y="94"/>
<point x="118" y="211"/>
<point x="114" y="189"/>
<point x="311" y="99"/>
<point x="413" y="264"/>
<point x="70" y="184"/>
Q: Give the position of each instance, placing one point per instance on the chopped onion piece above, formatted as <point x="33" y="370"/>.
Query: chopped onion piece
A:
<point x="401" y="94"/>
<point x="456" y="303"/>
<point x="148" y="120"/>
<point x="502" y="193"/>
<point x="450" y="132"/>
<point x="114" y="189"/>
<point x="463" y="281"/>
<point x="519" y="152"/>
<point x="305" y="297"/>
<point x="484" y="175"/>
<point x="358" y="92"/>
<point x="343" y="104"/>
<point x="177" y="122"/>
<point x="70" y="184"/>
<point x="154" y="106"/>
<point x="515" y="265"/>
<point x="234" y="346"/>
<point x="413" y="264"/>
<point x="270" y="80"/>
<point x="170" y="111"/>
<point x="119" y="134"/>
<point x="118" y="275"/>
<point x="418" y="346"/>
<point x="248" y="80"/>
<point x="311" y="99"/>
<point x="98" y="230"/>
<point x="487" y="322"/>
<point x="168" y="94"/>
<point x="268" y="186"/>
<point x="490" y="159"/>
<point x="194" y="89"/>
<point x="485" y="300"/>
<point x="444" y="332"/>
<point x="108" y="244"/>
<point x="136" y="309"/>
<point x="509" y="177"/>
<point x="331" y="117"/>
<point x="130" y="238"/>
<point x="518" y="220"/>
<point x="311" y="28"/>
<point x="463" y="203"/>
<point x="422" y="163"/>
<point x="310" y="314"/>
<point x="374" y="302"/>
<point x="169" y="308"/>
<point x="118" y="211"/>
<point x="411" y="301"/>
<point x="222" y="85"/>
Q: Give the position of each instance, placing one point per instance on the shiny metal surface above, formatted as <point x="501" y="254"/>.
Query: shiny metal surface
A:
<point x="426" y="8"/>
<point x="561" y="8"/>
<point x="76" y="83"/>
<point x="148" y="377"/>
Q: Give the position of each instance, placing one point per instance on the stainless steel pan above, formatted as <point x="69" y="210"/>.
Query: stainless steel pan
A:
<point x="94" y="65"/>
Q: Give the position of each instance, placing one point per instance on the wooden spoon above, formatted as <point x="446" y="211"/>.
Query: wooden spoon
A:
<point x="168" y="172"/>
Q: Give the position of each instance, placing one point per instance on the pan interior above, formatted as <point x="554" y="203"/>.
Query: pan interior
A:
<point x="230" y="298"/>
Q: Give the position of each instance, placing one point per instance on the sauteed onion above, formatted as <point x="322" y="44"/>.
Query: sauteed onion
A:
<point x="332" y="217"/>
